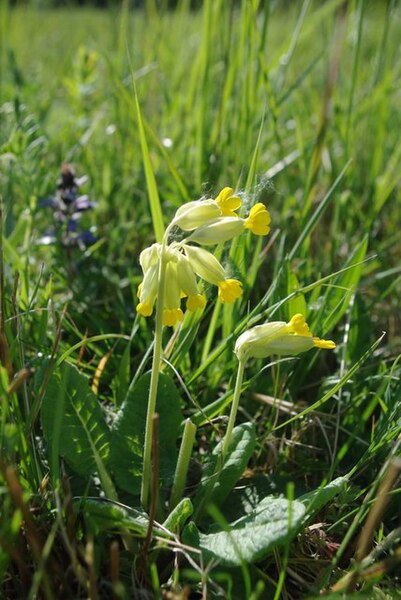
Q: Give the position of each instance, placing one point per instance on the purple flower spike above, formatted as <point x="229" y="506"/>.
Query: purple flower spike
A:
<point x="68" y="207"/>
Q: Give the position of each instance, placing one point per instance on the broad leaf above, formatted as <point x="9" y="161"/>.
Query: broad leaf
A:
<point x="128" y="433"/>
<point x="73" y="422"/>
<point x="101" y="515"/>
<point x="239" y="452"/>
<point x="179" y="515"/>
<point x="274" y="522"/>
<point x="314" y="501"/>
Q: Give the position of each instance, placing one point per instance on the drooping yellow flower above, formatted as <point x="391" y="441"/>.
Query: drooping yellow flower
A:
<point x="208" y="268"/>
<point x="278" y="337"/>
<point x="172" y="312"/>
<point x="258" y="220"/>
<point x="228" y="202"/>
<point x="205" y="264"/>
<point x="147" y="290"/>
<point x="188" y="284"/>
<point x="172" y="316"/>
<point x="195" y="302"/>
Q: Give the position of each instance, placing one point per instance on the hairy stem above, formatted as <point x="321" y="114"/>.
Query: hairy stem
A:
<point x="154" y="378"/>
<point x="234" y="406"/>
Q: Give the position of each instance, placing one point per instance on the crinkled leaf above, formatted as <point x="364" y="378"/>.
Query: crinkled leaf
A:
<point x="274" y="522"/>
<point x="239" y="452"/>
<point x="73" y="422"/>
<point x="179" y="515"/>
<point x="314" y="501"/>
<point x="101" y="515"/>
<point x="128" y="433"/>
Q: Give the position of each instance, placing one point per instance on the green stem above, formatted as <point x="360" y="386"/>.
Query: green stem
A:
<point x="234" y="406"/>
<point x="184" y="457"/>
<point x="207" y="492"/>
<point x="154" y="378"/>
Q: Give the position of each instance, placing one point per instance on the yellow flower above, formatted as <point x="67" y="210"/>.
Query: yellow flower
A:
<point x="144" y="308"/>
<point x="258" y="220"/>
<point x="195" y="302"/>
<point x="208" y="268"/>
<point x="172" y="312"/>
<point x="188" y="284"/>
<point x="229" y="290"/>
<point x="278" y="337"/>
<point x="171" y="316"/>
<point x="205" y="264"/>
<point x="228" y="202"/>
<point x="149" y="256"/>
<point x="147" y="291"/>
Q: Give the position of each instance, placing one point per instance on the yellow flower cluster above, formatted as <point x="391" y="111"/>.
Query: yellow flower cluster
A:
<point x="210" y="221"/>
<point x="183" y="264"/>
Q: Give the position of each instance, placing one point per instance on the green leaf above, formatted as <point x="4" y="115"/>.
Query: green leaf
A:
<point x="179" y="515"/>
<point x="273" y="522"/>
<point x="128" y="432"/>
<point x="154" y="200"/>
<point x="73" y="422"/>
<point x="314" y="501"/>
<point x="101" y="515"/>
<point x="239" y="452"/>
<point x="296" y="303"/>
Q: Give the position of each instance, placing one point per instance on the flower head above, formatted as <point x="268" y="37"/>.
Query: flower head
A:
<point x="211" y="222"/>
<point x="279" y="337"/>
<point x="258" y="220"/>
<point x="228" y="202"/>
<point x="68" y="207"/>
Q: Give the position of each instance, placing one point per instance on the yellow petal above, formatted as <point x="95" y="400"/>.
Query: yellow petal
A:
<point x="144" y="308"/>
<point x="229" y="290"/>
<point x="227" y="202"/>
<point x="172" y="316"/>
<point x="195" y="302"/>
<point x="299" y="326"/>
<point x="325" y="344"/>
<point x="258" y="220"/>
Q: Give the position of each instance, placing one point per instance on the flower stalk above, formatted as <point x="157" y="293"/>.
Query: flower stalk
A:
<point x="170" y="274"/>
<point x="234" y="406"/>
<point x="154" y="377"/>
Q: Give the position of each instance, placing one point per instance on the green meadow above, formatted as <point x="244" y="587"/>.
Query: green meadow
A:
<point x="262" y="470"/>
